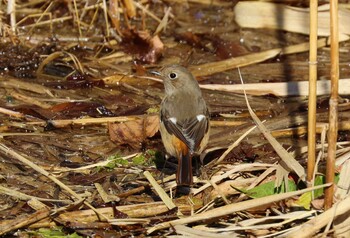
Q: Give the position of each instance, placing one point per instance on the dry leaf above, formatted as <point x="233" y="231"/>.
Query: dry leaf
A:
<point x="156" y="48"/>
<point x="318" y="203"/>
<point x="145" y="47"/>
<point x="134" y="132"/>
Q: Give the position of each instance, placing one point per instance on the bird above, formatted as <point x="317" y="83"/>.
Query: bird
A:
<point x="184" y="119"/>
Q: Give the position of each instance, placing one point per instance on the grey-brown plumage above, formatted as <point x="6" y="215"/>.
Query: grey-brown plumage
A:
<point x="184" y="119"/>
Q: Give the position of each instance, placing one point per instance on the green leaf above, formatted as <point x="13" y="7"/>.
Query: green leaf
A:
<point x="267" y="189"/>
<point x="139" y="160"/>
<point x="319" y="180"/>
<point x="114" y="161"/>
<point x="55" y="233"/>
<point x="152" y="110"/>
<point x="305" y="200"/>
<point x="151" y="153"/>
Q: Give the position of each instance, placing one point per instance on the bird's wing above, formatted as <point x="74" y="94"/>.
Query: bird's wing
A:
<point x="191" y="130"/>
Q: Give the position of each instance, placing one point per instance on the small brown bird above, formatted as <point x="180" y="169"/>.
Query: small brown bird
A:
<point x="184" y="119"/>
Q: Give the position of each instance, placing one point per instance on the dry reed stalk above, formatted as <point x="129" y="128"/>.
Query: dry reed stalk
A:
<point x="42" y="23"/>
<point x="79" y="121"/>
<point x="77" y="17"/>
<point x="333" y="105"/>
<point x="13" y="83"/>
<point x="114" y="14"/>
<point x="234" y="145"/>
<point x="231" y="63"/>
<point x="227" y="123"/>
<point x="235" y="169"/>
<point x="104" y="195"/>
<point x="163" y="24"/>
<point x="311" y="227"/>
<point x="231" y="208"/>
<point x="25" y="197"/>
<point x="289" y="163"/>
<point x="105" y="14"/>
<point x="12" y="113"/>
<point x="185" y="231"/>
<point x="22" y="221"/>
<point x="142" y="210"/>
<point x="209" y="2"/>
<point x="292" y="88"/>
<point x="259" y="14"/>
<point x="30" y="100"/>
<point x="265" y="222"/>
<point x="41" y="15"/>
<point x="130" y="8"/>
<point x="11" y="10"/>
<point x="203" y="2"/>
<point x="312" y="92"/>
<point x="95" y="165"/>
<point x="147" y="12"/>
<point x="40" y="170"/>
<point x="344" y="180"/>
<point x="301" y="130"/>
<point x="161" y="193"/>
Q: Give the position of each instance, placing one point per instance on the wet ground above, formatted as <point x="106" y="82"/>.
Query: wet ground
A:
<point x="53" y="77"/>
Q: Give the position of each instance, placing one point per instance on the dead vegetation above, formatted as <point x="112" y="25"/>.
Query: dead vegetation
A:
<point x="79" y="148"/>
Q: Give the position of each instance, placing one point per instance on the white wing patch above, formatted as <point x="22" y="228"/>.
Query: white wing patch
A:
<point x="200" y="117"/>
<point x="173" y="120"/>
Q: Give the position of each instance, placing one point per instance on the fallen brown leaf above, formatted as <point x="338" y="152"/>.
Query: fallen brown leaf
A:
<point x="155" y="50"/>
<point x="318" y="203"/>
<point x="134" y="132"/>
<point x="144" y="46"/>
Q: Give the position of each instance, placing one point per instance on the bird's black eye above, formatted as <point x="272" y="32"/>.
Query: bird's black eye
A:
<point x="173" y="75"/>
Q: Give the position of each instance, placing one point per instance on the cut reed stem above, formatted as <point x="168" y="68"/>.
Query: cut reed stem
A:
<point x="333" y="104"/>
<point x="312" y="92"/>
